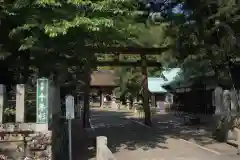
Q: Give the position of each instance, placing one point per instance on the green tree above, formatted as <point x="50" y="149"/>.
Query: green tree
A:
<point x="50" y="35"/>
<point x="55" y="31"/>
<point x="206" y="33"/>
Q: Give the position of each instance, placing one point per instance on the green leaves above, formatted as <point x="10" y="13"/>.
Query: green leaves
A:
<point x="57" y="18"/>
<point x="92" y="25"/>
<point x="46" y="3"/>
<point x="53" y="32"/>
<point x="206" y="35"/>
<point x="28" y="43"/>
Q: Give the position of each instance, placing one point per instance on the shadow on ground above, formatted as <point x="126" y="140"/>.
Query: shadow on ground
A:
<point x="81" y="142"/>
<point x="125" y="134"/>
<point x="171" y="126"/>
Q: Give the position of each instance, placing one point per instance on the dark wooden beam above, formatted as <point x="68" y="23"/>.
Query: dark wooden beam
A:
<point x="125" y="50"/>
<point x="121" y="63"/>
<point x="146" y="107"/>
<point x="86" y="89"/>
<point x="75" y="61"/>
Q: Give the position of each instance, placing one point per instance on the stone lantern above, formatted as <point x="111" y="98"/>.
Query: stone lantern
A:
<point x="114" y="104"/>
<point x="128" y="104"/>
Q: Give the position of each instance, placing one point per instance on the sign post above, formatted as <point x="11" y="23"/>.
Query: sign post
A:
<point x="42" y="101"/>
<point x="69" y="116"/>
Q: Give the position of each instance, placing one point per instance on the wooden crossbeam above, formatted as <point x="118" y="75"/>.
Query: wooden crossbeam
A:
<point x="125" y="50"/>
<point x="122" y="63"/>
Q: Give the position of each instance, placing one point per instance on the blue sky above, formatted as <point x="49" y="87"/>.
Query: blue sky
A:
<point x="178" y="9"/>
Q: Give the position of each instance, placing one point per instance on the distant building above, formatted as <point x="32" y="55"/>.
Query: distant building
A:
<point x="159" y="94"/>
<point x="103" y="82"/>
<point x="193" y="93"/>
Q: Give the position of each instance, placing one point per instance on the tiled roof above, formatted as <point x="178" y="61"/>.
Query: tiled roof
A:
<point x="155" y="83"/>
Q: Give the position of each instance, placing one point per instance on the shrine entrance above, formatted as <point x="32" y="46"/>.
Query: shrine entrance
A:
<point x="117" y="59"/>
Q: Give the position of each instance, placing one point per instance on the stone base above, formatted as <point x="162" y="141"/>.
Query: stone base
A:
<point x="41" y="127"/>
<point x="39" y="145"/>
<point x="35" y="145"/>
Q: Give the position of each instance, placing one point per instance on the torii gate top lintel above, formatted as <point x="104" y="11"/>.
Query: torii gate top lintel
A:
<point x="125" y="50"/>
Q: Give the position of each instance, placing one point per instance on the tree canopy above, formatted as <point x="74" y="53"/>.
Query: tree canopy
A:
<point x="47" y="38"/>
<point x="206" y="36"/>
<point x="50" y="35"/>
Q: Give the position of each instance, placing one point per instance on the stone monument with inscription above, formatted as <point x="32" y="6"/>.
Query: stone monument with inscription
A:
<point x="42" y="104"/>
<point x="48" y="102"/>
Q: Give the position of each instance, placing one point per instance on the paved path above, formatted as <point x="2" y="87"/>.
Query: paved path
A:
<point x="130" y="140"/>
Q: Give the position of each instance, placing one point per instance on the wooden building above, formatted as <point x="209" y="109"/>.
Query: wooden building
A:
<point x="103" y="82"/>
<point x="192" y="96"/>
<point x="157" y="92"/>
<point x="155" y="86"/>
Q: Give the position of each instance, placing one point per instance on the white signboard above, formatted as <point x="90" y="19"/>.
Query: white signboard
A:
<point x="69" y="107"/>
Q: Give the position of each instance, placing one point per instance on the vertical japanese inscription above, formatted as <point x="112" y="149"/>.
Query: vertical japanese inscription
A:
<point x="42" y="101"/>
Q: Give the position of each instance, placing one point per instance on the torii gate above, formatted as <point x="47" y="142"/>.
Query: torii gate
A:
<point x="117" y="51"/>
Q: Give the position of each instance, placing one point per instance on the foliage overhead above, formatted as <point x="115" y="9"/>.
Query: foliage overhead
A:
<point x="206" y="36"/>
<point x="50" y="34"/>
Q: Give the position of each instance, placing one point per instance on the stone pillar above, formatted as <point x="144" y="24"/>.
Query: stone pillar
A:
<point x="114" y="104"/>
<point x="101" y="99"/>
<point x="20" y="103"/>
<point x="226" y="101"/>
<point x="135" y="104"/>
<point x="128" y="104"/>
<point x="234" y="100"/>
<point x="218" y="100"/>
<point x="2" y="101"/>
<point x="101" y="143"/>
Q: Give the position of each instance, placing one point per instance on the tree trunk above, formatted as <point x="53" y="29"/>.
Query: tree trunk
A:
<point x="59" y="138"/>
<point x="26" y="64"/>
<point x="145" y="92"/>
<point x="86" y="110"/>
